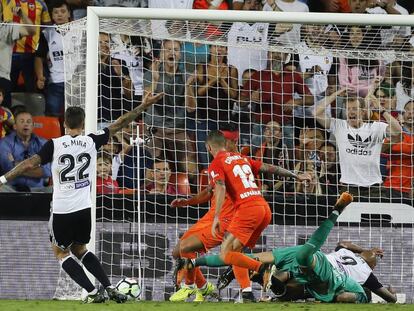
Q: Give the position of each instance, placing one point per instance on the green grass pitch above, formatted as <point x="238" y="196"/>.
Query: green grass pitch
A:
<point x="46" y="305"/>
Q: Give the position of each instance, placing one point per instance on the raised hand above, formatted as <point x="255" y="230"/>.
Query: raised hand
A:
<point x="150" y="99"/>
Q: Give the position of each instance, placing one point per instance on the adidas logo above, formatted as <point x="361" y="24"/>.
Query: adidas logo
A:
<point x="358" y="142"/>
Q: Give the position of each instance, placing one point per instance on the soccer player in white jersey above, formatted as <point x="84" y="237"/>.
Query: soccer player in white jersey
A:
<point x="359" y="263"/>
<point x="73" y="158"/>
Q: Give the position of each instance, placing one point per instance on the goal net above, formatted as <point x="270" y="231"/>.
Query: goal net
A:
<point x="267" y="77"/>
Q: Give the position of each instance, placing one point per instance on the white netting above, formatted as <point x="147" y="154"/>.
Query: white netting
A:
<point x="268" y="80"/>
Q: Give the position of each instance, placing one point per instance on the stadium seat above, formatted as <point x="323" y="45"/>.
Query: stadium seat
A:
<point x="181" y="182"/>
<point x="203" y="180"/>
<point x="34" y="102"/>
<point x="46" y="127"/>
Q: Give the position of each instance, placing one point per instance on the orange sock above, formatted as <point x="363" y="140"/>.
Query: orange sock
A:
<point x="240" y="260"/>
<point x="181" y="275"/>
<point x="242" y="276"/>
<point x="200" y="280"/>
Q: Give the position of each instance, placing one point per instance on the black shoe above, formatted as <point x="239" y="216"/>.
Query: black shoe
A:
<point x="179" y="265"/>
<point x="225" y="278"/>
<point x="277" y="287"/>
<point x="99" y="297"/>
<point x="115" y="295"/>
<point x="248" y="297"/>
<point x="343" y="201"/>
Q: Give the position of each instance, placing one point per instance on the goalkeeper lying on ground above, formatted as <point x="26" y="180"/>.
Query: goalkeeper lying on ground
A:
<point x="349" y="258"/>
<point x="306" y="263"/>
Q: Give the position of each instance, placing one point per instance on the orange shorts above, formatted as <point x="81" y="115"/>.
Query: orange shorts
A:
<point x="250" y="220"/>
<point x="202" y="230"/>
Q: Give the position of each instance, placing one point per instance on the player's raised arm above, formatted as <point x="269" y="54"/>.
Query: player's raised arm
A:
<point x="20" y="169"/>
<point x="200" y="198"/>
<point x="128" y="117"/>
<point x="279" y="171"/>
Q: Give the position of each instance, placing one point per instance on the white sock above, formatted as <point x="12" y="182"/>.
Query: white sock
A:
<point x="247" y="289"/>
<point x="94" y="292"/>
<point x="203" y="287"/>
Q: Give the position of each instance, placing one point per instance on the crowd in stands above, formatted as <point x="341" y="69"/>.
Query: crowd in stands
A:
<point x="348" y="121"/>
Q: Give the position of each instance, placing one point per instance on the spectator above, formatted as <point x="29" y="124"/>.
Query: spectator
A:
<point x="273" y="152"/>
<point x="115" y="85"/>
<point x="276" y="91"/>
<point x="158" y="27"/>
<point x="358" y="6"/>
<point x="385" y="94"/>
<point x="388" y="35"/>
<point x="50" y="52"/>
<point x="241" y="33"/>
<point x="24" y="49"/>
<point x="399" y="182"/>
<point x="9" y="34"/>
<point x="211" y="4"/>
<point x="193" y="53"/>
<point x="21" y="145"/>
<point x="307" y="158"/>
<point x="166" y="120"/>
<point x="105" y="184"/>
<point x="359" y="144"/>
<point x="6" y="117"/>
<point x="161" y="175"/>
<point x="216" y="92"/>
<point x="132" y="52"/>
<point x="78" y="7"/>
<point x="286" y="33"/>
<point x="314" y="66"/>
<point x="329" y="174"/>
<point x="357" y="75"/>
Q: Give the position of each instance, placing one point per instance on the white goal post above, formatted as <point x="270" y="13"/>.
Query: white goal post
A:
<point x="135" y="15"/>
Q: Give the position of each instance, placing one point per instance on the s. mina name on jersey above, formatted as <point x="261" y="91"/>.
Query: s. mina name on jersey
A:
<point x="74" y="142"/>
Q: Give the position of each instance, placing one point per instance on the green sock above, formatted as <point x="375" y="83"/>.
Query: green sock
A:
<point x="315" y="242"/>
<point x="210" y="261"/>
<point x="213" y="261"/>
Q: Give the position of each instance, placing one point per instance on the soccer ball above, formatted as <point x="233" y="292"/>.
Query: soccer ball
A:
<point x="129" y="287"/>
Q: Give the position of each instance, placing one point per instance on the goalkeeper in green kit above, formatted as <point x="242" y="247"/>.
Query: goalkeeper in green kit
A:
<point x="306" y="264"/>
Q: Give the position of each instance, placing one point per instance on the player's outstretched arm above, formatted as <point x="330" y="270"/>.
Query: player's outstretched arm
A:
<point x="128" y="117"/>
<point x="279" y="171"/>
<point x="20" y="169"/>
<point x="387" y="294"/>
<point x="200" y="198"/>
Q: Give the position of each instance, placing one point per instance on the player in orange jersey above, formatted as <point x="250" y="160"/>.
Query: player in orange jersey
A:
<point x="199" y="239"/>
<point x="233" y="173"/>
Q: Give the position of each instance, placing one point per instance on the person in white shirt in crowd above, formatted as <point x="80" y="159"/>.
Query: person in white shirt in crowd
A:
<point x="359" y="143"/>
<point x="395" y="33"/>
<point x="50" y="52"/>
<point x="249" y="35"/>
<point x="287" y="33"/>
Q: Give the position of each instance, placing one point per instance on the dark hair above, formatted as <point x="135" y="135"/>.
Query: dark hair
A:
<point x="105" y="157"/>
<point x="54" y="4"/>
<point x="228" y="126"/>
<point x="216" y="138"/>
<point x="19" y="109"/>
<point x="74" y="117"/>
